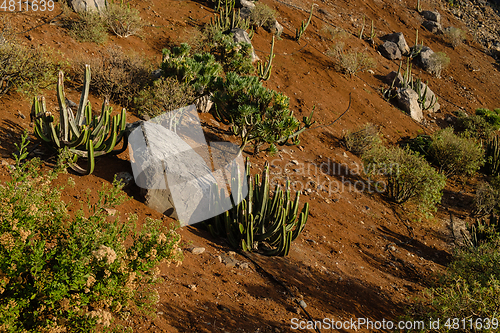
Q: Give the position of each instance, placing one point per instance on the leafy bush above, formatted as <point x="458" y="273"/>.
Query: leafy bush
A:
<point x="419" y="145"/>
<point x="89" y="27"/>
<point x="255" y="113"/>
<point x="263" y="16"/>
<point x="475" y="126"/>
<point x="487" y="197"/>
<point x="362" y="139"/>
<point x="72" y="273"/>
<point x="455" y="155"/>
<point x="409" y="176"/>
<point x="350" y="62"/>
<point x="29" y="70"/>
<point x="116" y="75"/>
<point x="454" y="36"/>
<point x="492" y="117"/>
<point x="438" y="61"/>
<point x="234" y="57"/>
<point x="165" y="94"/>
<point x="122" y="20"/>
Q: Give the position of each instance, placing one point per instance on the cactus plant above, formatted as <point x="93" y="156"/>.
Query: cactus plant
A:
<point x="260" y="222"/>
<point x="481" y="231"/>
<point x="227" y="18"/>
<point x="265" y="70"/>
<point x="83" y="134"/>
<point x="303" y="25"/>
<point x="492" y="153"/>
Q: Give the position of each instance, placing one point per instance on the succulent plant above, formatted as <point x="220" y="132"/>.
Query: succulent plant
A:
<point x="303" y="25"/>
<point x="481" y="231"/>
<point x="492" y="165"/>
<point x="264" y="222"/>
<point x="82" y="134"/>
<point x="264" y="70"/>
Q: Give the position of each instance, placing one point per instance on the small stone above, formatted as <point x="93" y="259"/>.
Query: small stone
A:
<point x="197" y="250"/>
<point x="125" y="177"/>
<point x="110" y="211"/>
<point x="192" y="287"/>
<point x="303" y="304"/>
<point x="370" y="71"/>
<point x="244" y="265"/>
<point x="5" y="163"/>
<point x="296" y="310"/>
<point x="295" y="162"/>
<point x="219" y="258"/>
<point x="231" y="253"/>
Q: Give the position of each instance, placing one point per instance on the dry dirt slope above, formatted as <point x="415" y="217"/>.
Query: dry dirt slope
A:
<point x="356" y="257"/>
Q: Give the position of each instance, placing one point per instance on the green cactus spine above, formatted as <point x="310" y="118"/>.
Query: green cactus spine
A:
<point x="81" y="133"/>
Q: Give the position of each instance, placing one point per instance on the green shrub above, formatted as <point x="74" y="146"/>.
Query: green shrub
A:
<point x="234" y="57"/>
<point x="454" y="36"/>
<point x="487" y="197"/>
<point x="363" y="139"/>
<point x="350" y="62"/>
<point x="263" y="16"/>
<point x="455" y="155"/>
<point x="492" y="117"/>
<point x="409" y="176"/>
<point x="29" y="70"/>
<point x="419" y="145"/>
<point x="255" y="113"/>
<point x="116" y="75"/>
<point x="123" y="20"/>
<point x="89" y="27"/>
<point x="62" y="272"/>
<point x="438" y="61"/>
<point x="165" y="94"/>
<point x="474" y="126"/>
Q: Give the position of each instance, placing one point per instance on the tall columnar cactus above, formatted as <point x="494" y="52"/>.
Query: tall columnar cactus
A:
<point x="264" y="222"/>
<point x="83" y="134"/>
<point x="264" y="70"/>
<point x="492" y="164"/>
<point x="481" y="231"/>
<point x="303" y="25"/>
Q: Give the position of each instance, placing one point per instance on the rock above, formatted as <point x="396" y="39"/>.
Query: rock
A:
<point x="173" y="178"/>
<point x="244" y="4"/>
<point x="399" y="39"/>
<point x="110" y="211"/>
<point x="408" y="102"/>
<point x="245" y="13"/>
<point x="243" y="265"/>
<point x="433" y="27"/>
<point x="275" y="28"/>
<point x="430" y="98"/>
<point x="197" y="250"/>
<point x="193" y="287"/>
<point x="390" y="50"/>
<point x="156" y="74"/>
<point x="389" y="79"/>
<point x="303" y="304"/>
<point x="125" y="177"/>
<point x="81" y="6"/>
<point x="432" y="16"/>
<point x="241" y="36"/>
<point x="423" y="59"/>
<point x="204" y="103"/>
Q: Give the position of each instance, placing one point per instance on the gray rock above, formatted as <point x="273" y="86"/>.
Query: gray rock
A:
<point x="173" y="178"/>
<point x="244" y="4"/>
<point x="389" y="79"/>
<point x="204" y="103"/>
<point x="433" y="27"/>
<point x="156" y="74"/>
<point x="245" y="12"/>
<point x="423" y="59"/>
<point x="390" y="50"/>
<point x="408" y="102"/>
<point x="432" y="16"/>
<point x="197" y="250"/>
<point x="81" y="6"/>
<point x="430" y="98"/>
<point x="276" y="28"/>
<point x="400" y="40"/>
<point x="241" y="36"/>
<point x="125" y="177"/>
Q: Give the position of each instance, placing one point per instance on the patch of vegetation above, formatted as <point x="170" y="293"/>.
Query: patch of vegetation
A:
<point x="28" y="70"/>
<point x="116" y="75"/>
<point x="89" y="27"/>
<point x="263" y="16"/>
<point x="350" y="62"/>
<point x="165" y="94"/>
<point x="438" y="62"/>
<point x="492" y="117"/>
<point x="363" y="139"/>
<point x="475" y="126"/>
<point x="487" y="198"/>
<point x="62" y="272"/>
<point x="455" y="155"/>
<point x="454" y="36"/>
<point x="409" y="176"/>
<point x="123" y="20"/>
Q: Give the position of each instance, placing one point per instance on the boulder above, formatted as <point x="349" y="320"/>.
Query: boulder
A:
<point x="244" y="4"/>
<point x="390" y="50"/>
<point x="408" y="102"/>
<point x="173" y="178"/>
<point x="400" y="41"/>
<point x="81" y="6"/>
<point x="433" y="27"/>
<point x="431" y="16"/>
<point x="241" y="36"/>
<point x="389" y="79"/>
<point x="423" y="59"/>
<point x="430" y="98"/>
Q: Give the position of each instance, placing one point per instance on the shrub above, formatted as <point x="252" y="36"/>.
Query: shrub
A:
<point x="263" y="16"/>
<point x="62" y="272"/>
<point x="492" y="117"/>
<point x="29" y="70"/>
<point x="409" y="176"/>
<point x="165" y="94"/>
<point x="116" y="75"/>
<point x="89" y="27"/>
<point x="255" y="113"/>
<point x="475" y="126"/>
<point x="362" y="139"/>
<point x="438" y="62"/>
<point x="492" y="154"/>
<point x="350" y="62"/>
<point x="234" y="57"/>
<point x="122" y="20"/>
<point x="454" y="36"/>
<point x="455" y="155"/>
<point x="486" y="198"/>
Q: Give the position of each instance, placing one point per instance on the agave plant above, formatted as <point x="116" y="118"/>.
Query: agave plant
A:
<point x="264" y="222"/>
<point x="83" y="134"/>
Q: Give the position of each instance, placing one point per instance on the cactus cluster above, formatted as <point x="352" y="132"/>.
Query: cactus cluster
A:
<point x="227" y="18"/>
<point x="264" y="70"/>
<point x="481" y="231"/>
<point x="492" y="153"/>
<point x="260" y="222"/>
<point x="83" y="134"/>
<point x="303" y="25"/>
